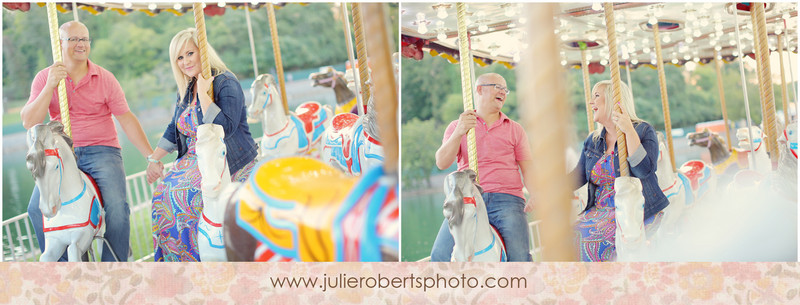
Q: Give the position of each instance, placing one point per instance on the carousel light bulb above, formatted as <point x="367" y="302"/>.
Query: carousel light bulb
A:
<point x="646" y="50"/>
<point x="792" y="48"/>
<point x="152" y="6"/>
<point x="778" y="31"/>
<point x="177" y="6"/>
<point x="596" y="6"/>
<point x="589" y="56"/>
<point x="604" y="62"/>
<point x="718" y="27"/>
<point x="127" y="5"/>
<point x="423" y="27"/>
<point x="689" y="39"/>
<point x="441" y="12"/>
<point x="634" y="61"/>
<point x="735" y="53"/>
<point x="675" y="61"/>
<point x="592" y="36"/>
<point x="732" y="42"/>
<point x="652" y="20"/>
<point x="563" y="62"/>
<point x="653" y="61"/>
<point x="221" y="4"/>
<point x="704" y="22"/>
<point x="667" y="39"/>
<point x="564" y="37"/>
<point x="509" y="11"/>
<point x="626" y="56"/>
<point x="696" y="59"/>
<point x="255" y="2"/>
<point x="697" y="33"/>
<point x="483" y="27"/>
<point x="441" y="36"/>
<point x="717" y="47"/>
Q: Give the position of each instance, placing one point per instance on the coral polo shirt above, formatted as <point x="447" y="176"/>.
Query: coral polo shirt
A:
<point x="91" y="103"/>
<point x="499" y="147"/>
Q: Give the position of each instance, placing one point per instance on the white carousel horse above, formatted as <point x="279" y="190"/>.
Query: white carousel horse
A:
<point x="782" y="180"/>
<point x="300" y="132"/>
<point x="475" y="239"/>
<point x="215" y="177"/>
<point x="301" y="209"/>
<point x="351" y="144"/>
<point x="630" y="239"/>
<point x="756" y="150"/>
<point x="69" y="199"/>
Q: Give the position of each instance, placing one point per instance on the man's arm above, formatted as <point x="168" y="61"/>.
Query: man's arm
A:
<point x="446" y="154"/>
<point x="526" y="167"/>
<point x="35" y="111"/>
<point x="133" y="129"/>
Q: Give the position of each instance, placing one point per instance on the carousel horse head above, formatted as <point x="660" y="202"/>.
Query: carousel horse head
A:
<point x="629" y="211"/>
<point x="265" y="94"/>
<point x="465" y="212"/>
<point x="704" y="138"/>
<point x="50" y="159"/>
<point x="744" y="138"/>
<point x="328" y="78"/>
<point x="211" y="159"/>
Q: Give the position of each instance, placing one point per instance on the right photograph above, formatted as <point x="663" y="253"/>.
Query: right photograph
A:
<point x="599" y="132"/>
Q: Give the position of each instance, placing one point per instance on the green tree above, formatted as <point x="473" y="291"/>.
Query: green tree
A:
<point x="420" y="141"/>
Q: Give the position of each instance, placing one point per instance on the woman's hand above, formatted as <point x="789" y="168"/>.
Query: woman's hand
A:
<point x="623" y="122"/>
<point x="154" y="171"/>
<point x="203" y="84"/>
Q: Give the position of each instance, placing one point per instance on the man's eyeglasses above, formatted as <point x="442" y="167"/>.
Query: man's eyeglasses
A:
<point x="75" y="40"/>
<point x="498" y="87"/>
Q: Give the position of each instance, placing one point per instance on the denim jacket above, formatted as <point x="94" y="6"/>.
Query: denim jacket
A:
<point x="642" y="166"/>
<point x="228" y="110"/>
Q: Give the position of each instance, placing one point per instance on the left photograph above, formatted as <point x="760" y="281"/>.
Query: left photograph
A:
<point x="146" y="132"/>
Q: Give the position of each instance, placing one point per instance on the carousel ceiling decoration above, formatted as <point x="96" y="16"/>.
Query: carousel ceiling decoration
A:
<point x="149" y="8"/>
<point x="689" y="32"/>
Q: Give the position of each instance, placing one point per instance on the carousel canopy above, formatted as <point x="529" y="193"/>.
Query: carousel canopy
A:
<point x="689" y="32"/>
<point x="149" y="8"/>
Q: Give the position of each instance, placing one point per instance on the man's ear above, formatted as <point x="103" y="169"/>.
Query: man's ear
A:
<point x="478" y="89"/>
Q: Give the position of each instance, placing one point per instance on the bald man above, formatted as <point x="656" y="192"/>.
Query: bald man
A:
<point x="503" y="151"/>
<point x="94" y="95"/>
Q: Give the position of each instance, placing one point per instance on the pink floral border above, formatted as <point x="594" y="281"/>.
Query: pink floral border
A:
<point x="545" y="283"/>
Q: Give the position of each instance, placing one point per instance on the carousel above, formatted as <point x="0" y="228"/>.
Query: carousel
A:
<point x="712" y="213"/>
<point x="325" y="187"/>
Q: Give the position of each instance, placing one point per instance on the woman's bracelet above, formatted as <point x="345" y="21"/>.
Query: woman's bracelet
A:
<point x="152" y="160"/>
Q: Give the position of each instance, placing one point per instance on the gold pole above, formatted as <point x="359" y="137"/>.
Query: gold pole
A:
<point x="361" y="52"/>
<point x="276" y="49"/>
<point x="765" y="84"/>
<point x="547" y="133"/>
<point x="383" y="76"/>
<point x="662" y="84"/>
<point x="784" y="96"/>
<point x="466" y="81"/>
<point x="611" y="30"/>
<point x="55" y="43"/>
<point x="202" y="40"/>
<point x="587" y="88"/>
<point x="718" y="66"/>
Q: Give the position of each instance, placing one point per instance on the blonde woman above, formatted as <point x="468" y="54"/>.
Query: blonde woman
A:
<point x="177" y="201"/>
<point x="599" y="165"/>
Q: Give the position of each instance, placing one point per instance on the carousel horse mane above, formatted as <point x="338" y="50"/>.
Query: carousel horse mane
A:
<point x="39" y="134"/>
<point x="454" y="184"/>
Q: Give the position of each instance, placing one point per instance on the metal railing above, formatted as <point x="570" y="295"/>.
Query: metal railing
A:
<point x="535" y="242"/>
<point x="20" y="243"/>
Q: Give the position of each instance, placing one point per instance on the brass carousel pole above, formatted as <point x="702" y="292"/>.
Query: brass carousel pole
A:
<point x="276" y="49"/>
<point x="466" y="81"/>
<point x="384" y="83"/>
<point x="202" y="41"/>
<point x="784" y="96"/>
<point x="662" y="84"/>
<point x="55" y="43"/>
<point x="587" y="87"/>
<point x="611" y="30"/>
<point x="361" y="52"/>
<point x="547" y="132"/>
<point x="718" y="65"/>
<point x="765" y="84"/>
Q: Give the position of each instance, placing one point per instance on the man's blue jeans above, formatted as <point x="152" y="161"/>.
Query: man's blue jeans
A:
<point x="104" y="164"/>
<point x="506" y="213"/>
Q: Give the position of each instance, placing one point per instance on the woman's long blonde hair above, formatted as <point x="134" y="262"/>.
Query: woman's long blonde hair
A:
<point x="175" y="46"/>
<point x="626" y="102"/>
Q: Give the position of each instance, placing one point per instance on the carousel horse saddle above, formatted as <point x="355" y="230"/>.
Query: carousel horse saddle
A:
<point x="312" y="116"/>
<point x="697" y="172"/>
<point x="296" y="206"/>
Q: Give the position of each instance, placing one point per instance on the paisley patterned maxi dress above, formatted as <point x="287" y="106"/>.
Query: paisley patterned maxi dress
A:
<point x="597" y="227"/>
<point x="178" y="201"/>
